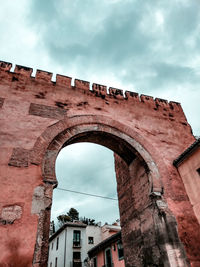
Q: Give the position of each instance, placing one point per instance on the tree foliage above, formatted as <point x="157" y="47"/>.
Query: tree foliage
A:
<point x="88" y="221"/>
<point x="73" y="215"/>
<point x="62" y="219"/>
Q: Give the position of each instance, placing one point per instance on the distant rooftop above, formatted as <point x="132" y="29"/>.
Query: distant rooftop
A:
<point x="68" y="224"/>
<point x="104" y="243"/>
<point x="187" y="152"/>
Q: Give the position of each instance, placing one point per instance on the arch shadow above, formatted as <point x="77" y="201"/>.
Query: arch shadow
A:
<point x="102" y="130"/>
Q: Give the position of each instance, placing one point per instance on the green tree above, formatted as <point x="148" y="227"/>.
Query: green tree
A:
<point x="71" y="215"/>
<point x="88" y="221"/>
<point x="62" y="219"/>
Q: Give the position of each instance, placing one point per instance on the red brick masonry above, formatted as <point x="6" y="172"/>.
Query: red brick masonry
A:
<point x="38" y="117"/>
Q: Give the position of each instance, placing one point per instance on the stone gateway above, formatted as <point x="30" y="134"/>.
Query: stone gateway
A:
<point x="38" y="117"/>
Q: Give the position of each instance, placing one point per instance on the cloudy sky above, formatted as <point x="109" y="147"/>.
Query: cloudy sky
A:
<point x="151" y="47"/>
<point x="86" y="168"/>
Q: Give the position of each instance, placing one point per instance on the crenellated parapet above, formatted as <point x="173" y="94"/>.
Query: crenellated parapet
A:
<point x="22" y="74"/>
<point x="39" y="115"/>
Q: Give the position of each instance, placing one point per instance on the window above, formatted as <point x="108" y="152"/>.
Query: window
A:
<point x="56" y="262"/>
<point x="90" y="240"/>
<point x="198" y="171"/>
<point x="95" y="261"/>
<point x="120" y="250"/>
<point x="108" y="257"/>
<point x="52" y="246"/>
<point x="57" y="243"/>
<point x="77" y="238"/>
<point x="76" y="259"/>
<point x="77" y="235"/>
<point x="76" y="255"/>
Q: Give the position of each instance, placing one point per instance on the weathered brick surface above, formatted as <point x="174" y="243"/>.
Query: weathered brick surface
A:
<point x="1" y="102"/>
<point x="10" y="213"/>
<point x="39" y="116"/>
<point x="19" y="158"/>
<point x="43" y="76"/>
<point x="148" y="228"/>
<point x="46" y="111"/>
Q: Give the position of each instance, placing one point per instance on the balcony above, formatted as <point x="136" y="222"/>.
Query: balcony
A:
<point x="77" y="243"/>
<point x="76" y="264"/>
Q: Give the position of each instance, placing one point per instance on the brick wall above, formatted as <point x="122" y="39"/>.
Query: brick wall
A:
<point x="38" y="116"/>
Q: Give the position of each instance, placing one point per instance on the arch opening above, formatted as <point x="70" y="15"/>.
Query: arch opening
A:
<point x="127" y="160"/>
<point x="145" y="218"/>
<point x="112" y="142"/>
<point x="120" y="143"/>
<point x="86" y="168"/>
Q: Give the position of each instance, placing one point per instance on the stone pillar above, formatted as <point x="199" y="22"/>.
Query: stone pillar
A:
<point x="41" y="205"/>
<point x="149" y="230"/>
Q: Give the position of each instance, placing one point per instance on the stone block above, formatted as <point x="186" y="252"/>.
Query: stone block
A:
<point x="46" y="111"/>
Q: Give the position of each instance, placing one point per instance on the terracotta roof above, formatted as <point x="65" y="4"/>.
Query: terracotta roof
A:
<point x="187" y="152"/>
<point x="113" y="238"/>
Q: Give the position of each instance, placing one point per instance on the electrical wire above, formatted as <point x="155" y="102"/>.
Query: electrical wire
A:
<point x="82" y="193"/>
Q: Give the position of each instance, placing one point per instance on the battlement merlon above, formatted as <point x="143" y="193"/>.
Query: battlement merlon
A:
<point x="97" y="89"/>
<point x="6" y="66"/>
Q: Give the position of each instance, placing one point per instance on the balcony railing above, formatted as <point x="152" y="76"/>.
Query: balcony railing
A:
<point x="77" y="243"/>
<point x="77" y="264"/>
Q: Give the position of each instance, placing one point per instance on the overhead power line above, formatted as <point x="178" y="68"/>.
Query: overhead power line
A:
<point x="87" y="194"/>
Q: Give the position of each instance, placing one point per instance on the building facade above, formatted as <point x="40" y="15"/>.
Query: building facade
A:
<point x="93" y="236"/>
<point x="188" y="165"/>
<point x="108" y="230"/>
<point x="69" y="245"/>
<point x="108" y="253"/>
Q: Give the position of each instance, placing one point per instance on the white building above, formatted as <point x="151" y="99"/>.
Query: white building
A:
<point x="93" y="235"/>
<point x="69" y="245"/>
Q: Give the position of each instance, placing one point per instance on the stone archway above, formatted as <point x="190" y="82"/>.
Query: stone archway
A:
<point x="149" y="229"/>
<point x="38" y="116"/>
